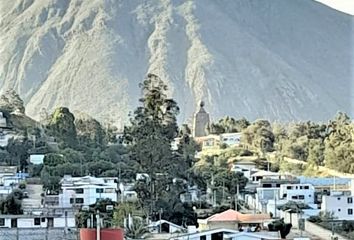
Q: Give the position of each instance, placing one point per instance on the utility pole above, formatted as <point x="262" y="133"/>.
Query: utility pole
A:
<point x="160" y="212"/>
<point x="98" y="227"/>
<point x="66" y="224"/>
<point x="223" y="190"/>
<point x="275" y="204"/>
<point x="236" y="195"/>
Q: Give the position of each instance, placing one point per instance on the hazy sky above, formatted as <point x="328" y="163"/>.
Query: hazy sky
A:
<point x="346" y="6"/>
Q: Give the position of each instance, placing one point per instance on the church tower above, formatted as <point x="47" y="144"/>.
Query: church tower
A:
<point x="200" y="121"/>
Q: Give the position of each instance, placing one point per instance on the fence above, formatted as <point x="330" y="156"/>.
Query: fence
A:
<point x="38" y="234"/>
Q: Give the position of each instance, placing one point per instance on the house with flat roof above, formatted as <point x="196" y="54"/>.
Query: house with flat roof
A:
<point x="47" y="220"/>
<point x="36" y="158"/>
<point x="231" y="139"/>
<point x="84" y="191"/>
<point x="262" y="174"/>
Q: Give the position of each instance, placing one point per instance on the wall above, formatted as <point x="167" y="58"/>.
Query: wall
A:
<point x="227" y="225"/>
<point x="37" y="234"/>
<point x="320" y="232"/>
<point x="59" y="222"/>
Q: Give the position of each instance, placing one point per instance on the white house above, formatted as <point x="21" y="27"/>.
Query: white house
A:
<point x="261" y="174"/>
<point x="304" y="193"/>
<point x="127" y="193"/>
<point x="37" y="158"/>
<point x="246" y="167"/>
<point x="37" y="221"/>
<point x="3" y="121"/>
<point x="340" y="205"/>
<point x="9" y="179"/>
<point x="84" y="191"/>
<point x="230" y="139"/>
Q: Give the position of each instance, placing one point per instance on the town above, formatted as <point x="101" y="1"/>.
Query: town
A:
<point x="221" y="187"/>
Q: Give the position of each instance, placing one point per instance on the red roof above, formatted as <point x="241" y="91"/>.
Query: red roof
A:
<point x="234" y="216"/>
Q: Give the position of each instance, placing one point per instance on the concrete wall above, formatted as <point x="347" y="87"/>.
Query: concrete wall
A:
<point x="320" y="232"/>
<point x="37" y="234"/>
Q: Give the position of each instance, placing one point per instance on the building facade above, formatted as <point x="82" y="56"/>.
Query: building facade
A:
<point x="84" y="191"/>
<point x="340" y="205"/>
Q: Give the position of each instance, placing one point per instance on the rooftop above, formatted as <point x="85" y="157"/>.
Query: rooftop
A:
<point x="232" y="215"/>
<point x="68" y="180"/>
<point x="262" y="173"/>
<point x="8" y="169"/>
<point x="324" y="181"/>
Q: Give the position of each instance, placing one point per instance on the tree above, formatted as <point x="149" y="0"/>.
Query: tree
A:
<point x="259" y="135"/>
<point x="339" y="145"/>
<point x="121" y="212"/>
<point x="10" y="101"/>
<point x="280" y="226"/>
<point x="89" y="131"/>
<point x="18" y="150"/>
<point x="229" y="125"/>
<point x="12" y="204"/>
<point x="152" y="128"/>
<point x="62" y="126"/>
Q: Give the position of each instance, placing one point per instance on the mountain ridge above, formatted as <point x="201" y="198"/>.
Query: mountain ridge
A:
<point x="281" y="60"/>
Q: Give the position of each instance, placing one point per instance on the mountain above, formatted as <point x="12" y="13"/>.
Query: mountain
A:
<point x="279" y="59"/>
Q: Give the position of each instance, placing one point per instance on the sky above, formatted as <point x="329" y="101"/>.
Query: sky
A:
<point x="346" y="6"/>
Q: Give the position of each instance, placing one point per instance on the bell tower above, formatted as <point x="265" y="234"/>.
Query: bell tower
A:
<point x="200" y="121"/>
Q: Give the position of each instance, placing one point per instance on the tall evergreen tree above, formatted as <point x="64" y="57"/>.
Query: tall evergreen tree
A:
<point x="152" y="128"/>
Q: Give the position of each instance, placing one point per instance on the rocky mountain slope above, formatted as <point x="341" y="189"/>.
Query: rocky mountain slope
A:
<point x="282" y="60"/>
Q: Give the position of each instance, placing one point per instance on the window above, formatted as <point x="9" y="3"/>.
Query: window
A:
<point x="277" y="185"/>
<point x="99" y="190"/>
<point x="301" y="187"/>
<point x="79" y="190"/>
<point x="285" y="195"/>
<point x="338" y="209"/>
<point x="79" y="200"/>
<point x="14" y="223"/>
<point x="350" y="200"/>
<point x="350" y="211"/>
<point x="338" y="198"/>
<point x="267" y="185"/>
<point x="288" y="187"/>
<point x="43" y="219"/>
<point x="307" y="187"/>
<point x="37" y="221"/>
<point x="71" y="200"/>
<point x="109" y="190"/>
<point x="294" y="197"/>
<point x="2" y="221"/>
<point x="301" y="197"/>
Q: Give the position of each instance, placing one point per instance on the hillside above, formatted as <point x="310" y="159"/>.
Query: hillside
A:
<point x="279" y="60"/>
